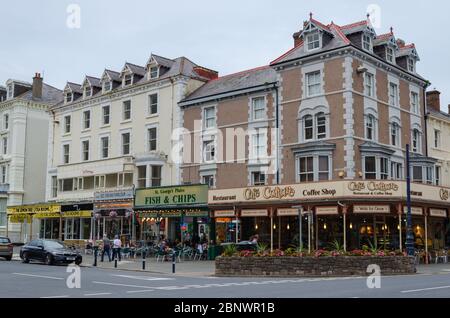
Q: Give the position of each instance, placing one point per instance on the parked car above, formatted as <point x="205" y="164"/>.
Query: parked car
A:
<point x="50" y="252"/>
<point x="6" y="248"/>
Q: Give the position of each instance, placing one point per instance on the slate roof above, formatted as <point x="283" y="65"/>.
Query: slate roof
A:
<point x="94" y="81"/>
<point x="75" y="88"/>
<point x="115" y="76"/>
<point x="136" y="69"/>
<point x="234" y="82"/>
<point x="50" y="95"/>
<point x="163" y="61"/>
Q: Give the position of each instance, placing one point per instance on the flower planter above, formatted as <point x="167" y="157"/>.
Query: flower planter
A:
<point x="327" y="266"/>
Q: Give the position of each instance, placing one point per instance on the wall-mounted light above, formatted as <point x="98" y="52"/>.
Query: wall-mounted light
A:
<point x="256" y="226"/>
<point x="324" y="226"/>
<point x="351" y="226"/>
<point x="288" y="227"/>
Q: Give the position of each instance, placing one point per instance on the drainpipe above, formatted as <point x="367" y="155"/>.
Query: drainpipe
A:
<point x="425" y="113"/>
<point x="277" y="127"/>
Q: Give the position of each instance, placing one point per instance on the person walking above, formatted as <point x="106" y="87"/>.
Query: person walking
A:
<point x="106" y="248"/>
<point x="117" y="245"/>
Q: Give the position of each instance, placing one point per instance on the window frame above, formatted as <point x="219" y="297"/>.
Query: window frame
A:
<point x="366" y="36"/>
<point x="64" y="154"/>
<point x="123" y="144"/>
<point x="262" y="109"/>
<point x="149" y="140"/>
<point x="390" y="57"/>
<point x="86" y="120"/>
<point x="369" y="84"/>
<point x="124" y="111"/>
<point x="67" y="124"/>
<point x="313" y="44"/>
<point x="102" y="147"/>
<point x="104" y="123"/>
<point x="84" y="151"/>
<point x="317" y="84"/>
<point x="207" y="119"/>
<point x="415" y="103"/>
<point x="393" y="94"/>
<point x="150" y="104"/>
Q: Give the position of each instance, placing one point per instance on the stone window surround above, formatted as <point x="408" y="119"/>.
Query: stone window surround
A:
<point x="82" y="140"/>
<point x="124" y="131"/>
<point x="371" y="112"/>
<point x="312" y="112"/>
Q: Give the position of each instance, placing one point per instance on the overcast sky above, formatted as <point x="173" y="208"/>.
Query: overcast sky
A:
<point x="227" y="36"/>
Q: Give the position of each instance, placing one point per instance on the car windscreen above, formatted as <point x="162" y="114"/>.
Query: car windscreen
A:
<point x="53" y="244"/>
<point x="4" y="240"/>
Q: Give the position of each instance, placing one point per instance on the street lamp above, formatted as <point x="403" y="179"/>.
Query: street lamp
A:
<point x="409" y="233"/>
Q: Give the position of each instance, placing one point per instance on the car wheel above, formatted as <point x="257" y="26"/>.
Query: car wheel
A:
<point x="25" y="257"/>
<point x="49" y="259"/>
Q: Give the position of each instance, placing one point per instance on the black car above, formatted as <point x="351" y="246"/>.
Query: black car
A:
<point x="50" y="252"/>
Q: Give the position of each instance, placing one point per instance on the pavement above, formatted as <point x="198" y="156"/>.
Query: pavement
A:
<point x="35" y="280"/>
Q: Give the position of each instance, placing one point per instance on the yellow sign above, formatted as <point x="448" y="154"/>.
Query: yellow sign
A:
<point x="47" y="215"/>
<point x="31" y="209"/>
<point x="77" y="214"/>
<point x="20" y="218"/>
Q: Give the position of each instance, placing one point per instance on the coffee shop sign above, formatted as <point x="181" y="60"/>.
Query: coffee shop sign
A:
<point x="373" y="186"/>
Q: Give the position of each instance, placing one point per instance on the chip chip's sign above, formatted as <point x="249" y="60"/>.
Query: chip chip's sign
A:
<point x="171" y="196"/>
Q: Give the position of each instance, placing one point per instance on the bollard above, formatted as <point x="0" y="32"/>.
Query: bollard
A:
<point x="95" y="255"/>
<point x="115" y="259"/>
<point x="174" y="260"/>
<point x="143" y="258"/>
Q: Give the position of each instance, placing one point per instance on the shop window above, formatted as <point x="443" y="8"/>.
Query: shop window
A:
<point x="72" y="229"/>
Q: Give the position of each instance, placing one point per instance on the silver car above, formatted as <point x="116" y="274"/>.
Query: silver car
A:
<point x="6" y="248"/>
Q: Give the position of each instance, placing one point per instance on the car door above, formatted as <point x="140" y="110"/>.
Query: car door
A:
<point x="30" y="249"/>
<point x="40" y="250"/>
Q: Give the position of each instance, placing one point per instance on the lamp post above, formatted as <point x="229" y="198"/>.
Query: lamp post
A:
<point x="409" y="233"/>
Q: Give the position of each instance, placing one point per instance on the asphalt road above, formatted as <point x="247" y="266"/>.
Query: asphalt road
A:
<point x="41" y="281"/>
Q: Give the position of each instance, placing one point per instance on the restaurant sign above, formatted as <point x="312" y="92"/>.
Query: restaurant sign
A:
<point x="224" y="213"/>
<point x="438" y="213"/>
<point x="171" y="196"/>
<point x="253" y="213"/>
<point x="385" y="209"/>
<point x="414" y="210"/>
<point x="287" y="212"/>
<point x="32" y="209"/>
<point x="126" y="194"/>
<point x="327" y="210"/>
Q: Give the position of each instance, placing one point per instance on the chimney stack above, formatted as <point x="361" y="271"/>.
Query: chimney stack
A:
<point x="434" y="100"/>
<point x="37" y="85"/>
<point x="449" y="109"/>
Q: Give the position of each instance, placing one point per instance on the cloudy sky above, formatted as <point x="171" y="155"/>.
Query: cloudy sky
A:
<point x="227" y="36"/>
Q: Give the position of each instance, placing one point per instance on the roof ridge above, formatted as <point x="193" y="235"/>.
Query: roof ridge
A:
<point x="108" y="70"/>
<point x="53" y="87"/>
<point x="242" y="72"/>
<point x="134" y="65"/>
<point x="163" y="57"/>
<point x="351" y="25"/>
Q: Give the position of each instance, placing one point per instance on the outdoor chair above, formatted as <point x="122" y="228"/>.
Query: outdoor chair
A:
<point x="443" y="256"/>
<point x="126" y="252"/>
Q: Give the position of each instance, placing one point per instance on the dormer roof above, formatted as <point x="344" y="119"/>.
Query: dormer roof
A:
<point x="92" y="81"/>
<point x="386" y="39"/>
<point x="133" y="68"/>
<point x="361" y="26"/>
<point x="408" y="50"/>
<point x="111" y="75"/>
<point x="159" y="60"/>
<point x="74" y="88"/>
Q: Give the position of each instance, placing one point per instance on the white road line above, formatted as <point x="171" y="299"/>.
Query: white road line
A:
<point x="97" y="294"/>
<point x="124" y="285"/>
<point x="148" y="278"/>
<point x="424" y="289"/>
<point x="139" y="291"/>
<point x="38" y="276"/>
<point x="62" y="296"/>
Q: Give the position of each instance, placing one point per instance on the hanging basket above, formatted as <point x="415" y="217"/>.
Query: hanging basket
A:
<point x="97" y="215"/>
<point x="113" y="214"/>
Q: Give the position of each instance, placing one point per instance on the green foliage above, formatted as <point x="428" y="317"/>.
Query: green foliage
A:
<point x="230" y="250"/>
<point x="337" y="246"/>
<point x="261" y="248"/>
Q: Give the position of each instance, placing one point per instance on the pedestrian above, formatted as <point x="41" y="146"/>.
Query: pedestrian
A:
<point x="254" y="239"/>
<point x="106" y="248"/>
<point x="117" y="245"/>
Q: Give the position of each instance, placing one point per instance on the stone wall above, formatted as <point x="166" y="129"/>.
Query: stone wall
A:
<point x="312" y="266"/>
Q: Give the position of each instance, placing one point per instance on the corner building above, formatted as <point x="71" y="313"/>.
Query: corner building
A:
<point x="347" y="102"/>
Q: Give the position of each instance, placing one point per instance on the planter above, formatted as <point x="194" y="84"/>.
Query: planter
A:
<point x="286" y="266"/>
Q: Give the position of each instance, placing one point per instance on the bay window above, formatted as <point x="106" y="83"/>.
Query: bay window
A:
<point x="314" y="168"/>
<point x="370" y="168"/>
<point x="258" y="178"/>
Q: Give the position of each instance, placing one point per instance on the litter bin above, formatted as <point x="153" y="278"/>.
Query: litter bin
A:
<point x="213" y="252"/>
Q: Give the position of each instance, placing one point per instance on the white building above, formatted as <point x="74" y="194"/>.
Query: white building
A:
<point x="114" y="133"/>
<point x="24" y="122"/>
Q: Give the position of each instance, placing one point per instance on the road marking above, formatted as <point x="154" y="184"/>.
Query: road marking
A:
<point x="139" y="291"/>
<point x="424" y="289"/>
<point x="38" y="276"/>
<point x="124" y="285"/>
<point x="97" y="294"/>
<point x="143" y="277"/>
<point x="62" y="296"/>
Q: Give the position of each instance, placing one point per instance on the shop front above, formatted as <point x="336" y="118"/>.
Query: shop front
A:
<point x="113" y="215"/>
<point x="76" y="223"/>
<point x="326" y="215"/>
<point x="32" y="220"/>
<point x="178" y="213"/>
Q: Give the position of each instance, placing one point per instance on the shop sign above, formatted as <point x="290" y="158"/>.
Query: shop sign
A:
<point x="438" y="213"/>
<point x="327" y="210"/>
<point x="47" y="215"/>
<point x="198" y="213"/>
<point x="287" y="212"/>
<point x="126" y="194"/>
<point x="77" y="214"/>
<point x="223" y="220"/>
<point x="252" y="213"/>
<point x="20" y="218"/>
<point x="224" y="213"/>
<point x="176" y="196"/>
<point x="414" y="210"/>
<point x="34" y="209"/>
<point x="373" y="188"/>
<point x="269" y="193"/>
<point x="372" y="209"/>
<point x="161" y="214"/>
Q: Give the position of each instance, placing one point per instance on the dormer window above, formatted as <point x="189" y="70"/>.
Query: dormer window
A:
<point x="154" y="72"/>
<point x="313" y="41"/>
<point x="107" y="86"/>
<point x="128" y="80"/>
<point x="390" y="55"/>
<point x="367" y="42"/>
<point x="411" y="65"/>
<point x="10" y="91"/>
<point x="69" y="97"/>
<point x="87" y="91"/>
